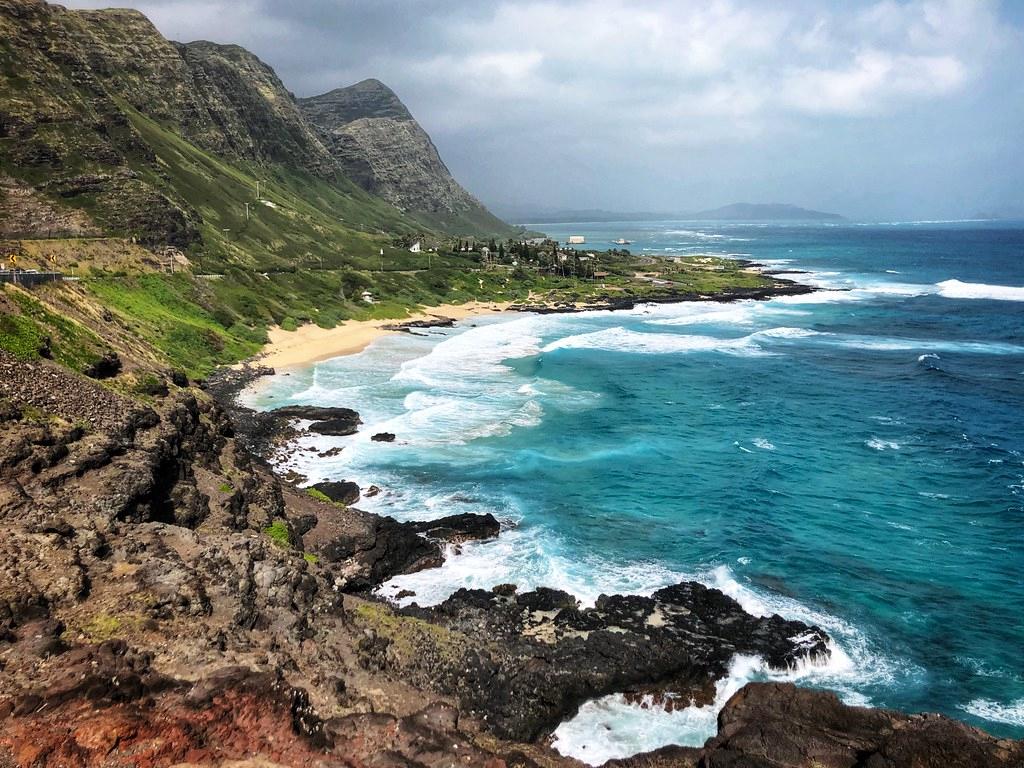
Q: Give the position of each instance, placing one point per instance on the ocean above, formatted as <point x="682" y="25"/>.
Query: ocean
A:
<point x="852" y="458"/>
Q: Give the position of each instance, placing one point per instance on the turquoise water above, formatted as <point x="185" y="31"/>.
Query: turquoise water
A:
<point x="853" y="458"/>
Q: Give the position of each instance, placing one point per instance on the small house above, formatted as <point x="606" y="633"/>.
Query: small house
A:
<point x="416" y="247"/>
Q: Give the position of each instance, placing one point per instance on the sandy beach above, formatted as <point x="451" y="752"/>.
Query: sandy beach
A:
<point x="311" y="343"/>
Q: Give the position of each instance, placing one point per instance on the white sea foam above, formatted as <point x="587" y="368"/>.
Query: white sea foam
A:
<point x="478" y="353"/>
<point x="787" y="333"/>
<point x="612" y="727"/>
<point x="955" y="289"/>
<point x="763" y="444"/>
<point x="820" y="297"/>
<point x="530" y="558"/>
<point x="896" y="344"/>
<point x="1011" y="714"/>
<point x="620" y="339"/>
<point x="697" y="234"/>
<point x="882" y="445"/>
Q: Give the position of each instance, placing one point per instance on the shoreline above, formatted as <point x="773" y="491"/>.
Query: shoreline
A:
<point x="312" y="344"/>
<point x="378" y="328"/>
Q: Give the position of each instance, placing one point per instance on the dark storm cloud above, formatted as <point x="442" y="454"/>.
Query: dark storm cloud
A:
<point x="877" y="108"/>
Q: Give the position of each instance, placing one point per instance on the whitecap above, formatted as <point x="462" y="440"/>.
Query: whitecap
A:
<point x="956" y="289"/>
<point x="882" y="445"/>
<point x="763" y="444"/>
<point x="620" y="339"/>
<point x="1011" y="714"/>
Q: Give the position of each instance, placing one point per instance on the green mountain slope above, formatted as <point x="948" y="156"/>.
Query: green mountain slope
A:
<point x="108" y="128"/>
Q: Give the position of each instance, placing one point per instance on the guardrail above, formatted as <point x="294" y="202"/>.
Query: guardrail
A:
<point x="29" y="279"/>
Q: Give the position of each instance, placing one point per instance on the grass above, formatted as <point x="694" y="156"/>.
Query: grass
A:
<point x="310" y="558"/>
<point x="28" y="327"/>
<point x="104" y="626"/>
<point x="313" y="493"/>
<point x="278" y="533"/>
<point x="164" y="310"/>
<point x="309" y="222"/>
<point x="408" y="635"/>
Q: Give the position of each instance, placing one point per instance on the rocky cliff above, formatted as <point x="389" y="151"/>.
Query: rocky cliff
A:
<point x="99" y="112"/>
<point x="380" y="146"/>
<point x="165" y="599"/>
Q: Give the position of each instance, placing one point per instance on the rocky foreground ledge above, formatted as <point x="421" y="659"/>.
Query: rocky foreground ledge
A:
<point x="166" y="600"/>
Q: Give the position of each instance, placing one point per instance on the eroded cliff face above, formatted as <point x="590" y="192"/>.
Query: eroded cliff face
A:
<point x="75" y="87"/>
<point x="380" y="146"/>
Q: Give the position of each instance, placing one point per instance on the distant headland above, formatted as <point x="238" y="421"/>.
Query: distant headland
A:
<point x="731" y="212"/>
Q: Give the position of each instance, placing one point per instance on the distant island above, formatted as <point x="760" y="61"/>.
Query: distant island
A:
<point x="732" y="212"/>
<point x="763" y="212"/>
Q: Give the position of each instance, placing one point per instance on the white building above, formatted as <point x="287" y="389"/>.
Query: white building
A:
<point x="577" y="239"/>
<point x="416" y="247"/>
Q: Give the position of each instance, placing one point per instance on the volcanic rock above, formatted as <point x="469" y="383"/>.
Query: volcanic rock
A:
<point x="457" y="529"/>
<point x="341" y="492"/>
<point x="765" y="725"/>
<point x="527" y="661"/>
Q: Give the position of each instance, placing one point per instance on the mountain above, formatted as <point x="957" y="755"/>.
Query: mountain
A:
<point x="530" y="215"/>
<point x="379" y="145"/>
<point x="734" y="212"/>
<point x="108" y="128"/>
<point x="762" y="212"/>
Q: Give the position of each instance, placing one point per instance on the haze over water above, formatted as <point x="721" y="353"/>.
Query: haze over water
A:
<point x="853" y="458"/>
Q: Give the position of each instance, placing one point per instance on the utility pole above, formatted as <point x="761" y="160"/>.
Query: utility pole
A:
<point x="246" y="211"/>
<point x="258" y="182"/>
<point x="381" y="259"/>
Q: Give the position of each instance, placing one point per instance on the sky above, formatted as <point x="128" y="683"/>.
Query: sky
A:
<point x="881" y="110"/>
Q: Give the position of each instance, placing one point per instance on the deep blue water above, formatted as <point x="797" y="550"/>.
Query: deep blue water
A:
<point x="853" y="458"/>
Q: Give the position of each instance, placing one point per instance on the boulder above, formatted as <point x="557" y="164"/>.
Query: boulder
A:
<point x="106" y="367"/>
<point x="457" y="529"/>
<point x="340" y="427"/>
<point x="341" y="492"/>
<point x="766" y="725"/>
<point x="384" y="437"/>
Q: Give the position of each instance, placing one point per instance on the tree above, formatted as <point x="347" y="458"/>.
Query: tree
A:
<point x="501" y="250"/>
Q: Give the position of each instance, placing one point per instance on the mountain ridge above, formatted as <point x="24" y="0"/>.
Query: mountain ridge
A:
<point x="74" y="85"/>
<point x="379" y="144"/>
